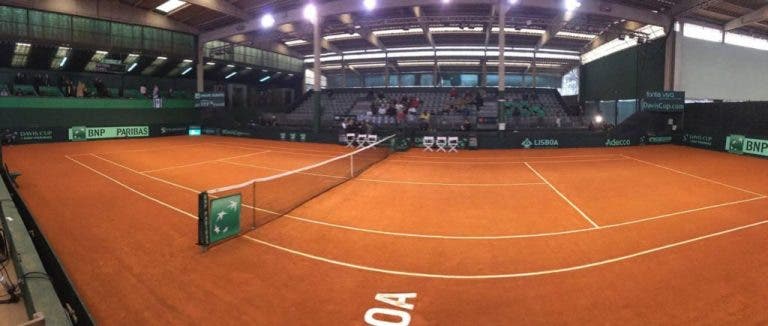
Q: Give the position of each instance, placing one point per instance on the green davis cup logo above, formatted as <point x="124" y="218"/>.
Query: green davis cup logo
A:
<point x="79" y="133"/>
<point x="735" y="144"/>
<point x="527" y="143"/>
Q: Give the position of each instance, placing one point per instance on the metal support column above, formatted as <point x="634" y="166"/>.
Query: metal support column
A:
<point x="502" y="43"/>
<point x="316" y="109"/>
<point x="200" y="71"/>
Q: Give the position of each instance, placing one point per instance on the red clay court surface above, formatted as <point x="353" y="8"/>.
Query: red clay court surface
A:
<point x="634" y="235"/>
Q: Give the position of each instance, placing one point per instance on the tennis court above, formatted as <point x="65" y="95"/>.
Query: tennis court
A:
<point x="476" y="237"/>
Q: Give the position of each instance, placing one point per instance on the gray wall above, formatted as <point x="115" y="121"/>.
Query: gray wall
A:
<point x="709" y="70"/>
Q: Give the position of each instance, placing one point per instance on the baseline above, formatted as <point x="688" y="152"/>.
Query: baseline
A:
<point x="442" y="276"/>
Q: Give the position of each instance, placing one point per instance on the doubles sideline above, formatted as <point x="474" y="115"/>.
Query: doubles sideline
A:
<point x="440" y="276"/>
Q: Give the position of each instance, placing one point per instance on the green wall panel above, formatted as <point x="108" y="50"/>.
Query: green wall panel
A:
<point x="13" y="102"/>
<point x="19" y="118"/>
<point x="627" y="74"/>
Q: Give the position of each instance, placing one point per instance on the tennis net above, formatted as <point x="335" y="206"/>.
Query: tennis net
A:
<point x="226" y="212"/>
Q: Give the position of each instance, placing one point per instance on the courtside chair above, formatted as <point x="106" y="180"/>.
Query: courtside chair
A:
<point x="441" y="142"/>
<point x="429" y="142"/>
<point x="350" y="140"/>
<point x="361" y="139"/>
<point x="453" y="142"/>
<point x="372" y="139"/>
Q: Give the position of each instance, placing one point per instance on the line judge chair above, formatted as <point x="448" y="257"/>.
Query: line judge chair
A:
<point x="441" y="143"/>
<point x="429" y="142"/>
<point x="453" y="142"/>
<point x="350" y="139"/>
<point x="372" y="139"/>
<point x="361" y="140"/>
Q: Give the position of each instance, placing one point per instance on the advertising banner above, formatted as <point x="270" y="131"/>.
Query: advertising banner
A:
<point x="663" y="101"/>
<point x="87" y="133"/>
<point x="739" y="144"/>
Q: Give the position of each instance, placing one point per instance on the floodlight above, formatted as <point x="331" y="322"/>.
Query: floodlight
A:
<point x="369" y="4"/>
<point x="310" y="13"/>
<point x="571" y="5"/>
<point x="267" y="21"/>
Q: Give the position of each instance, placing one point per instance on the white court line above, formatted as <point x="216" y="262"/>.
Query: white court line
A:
<point x="280" y="147"/>
<point x="503" y="237"/>
<point x="280" y="151"/>
<point x="694" y="176"/>
<point x="451" y="184"/>
<point x="562" y="196"/>
<point x="131" y="189"/>
<point x="144" y="174"/>
<point x="204" y="162"/>
<point x="454" y="237"/>
<point x="396" y="181"/>
<point x="284" y="170"/>
<point x="135" y="150"/>
<point x="508" y="157"/>
<point x="442" y="276"/>
<point x="506" y="162"/>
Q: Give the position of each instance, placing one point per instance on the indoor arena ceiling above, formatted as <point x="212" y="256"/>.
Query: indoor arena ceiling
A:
<point x="457" y="22"/>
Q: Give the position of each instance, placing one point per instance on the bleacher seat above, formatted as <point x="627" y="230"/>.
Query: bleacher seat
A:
<point x="25" y="90"/>
<point x="50" y="91"/>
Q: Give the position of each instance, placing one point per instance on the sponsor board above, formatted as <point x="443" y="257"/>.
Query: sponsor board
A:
<point x="656" y="140"/>
<point x="33" y="135"/>
<point x="611" y="142"/>
<point x="173" y="131"/>
<point x="87" y="133"/>
<point x="540" y="143"/>
<point x="233" y="132"/>
<point x="697" y="139"/>
<point x="663" y="101"/>
<point x="739" y="144"/>
<point x="210" y="131"/>
<point x="210" y="100"/>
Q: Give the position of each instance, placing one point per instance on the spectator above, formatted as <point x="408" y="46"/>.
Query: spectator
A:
<point x="453" y="93"/>
<point x="478" y="101"/>
<point x="400" y="113"/>
<point x="466" y="126"/>
<point x="143" y="90"/>
<point x="391" y="111"/>
<point x="9" y="137"/>
<point x="156" y="92"/>
<point x="80" y="90"/>
<point x="558" y="121"/>
<point x="4" y="92"/>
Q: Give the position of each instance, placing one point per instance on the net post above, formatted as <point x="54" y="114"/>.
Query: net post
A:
<point x="202" y="221"/>
<point x="352" y="166"/>
<point x="253" y="207"/>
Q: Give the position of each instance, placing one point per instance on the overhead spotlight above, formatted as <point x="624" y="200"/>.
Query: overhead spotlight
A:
<point x="598" y="119"/>
<point x="513" y="2"/>
<point x="572" y="5"/>
<point x="310" y="13"/>
<point x="267" y="21"/>
<point x="369" y="4"/>
<point x="446" y="1"/>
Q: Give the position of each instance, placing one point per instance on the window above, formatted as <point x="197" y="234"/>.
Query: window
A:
<point x="702" y="32"/>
